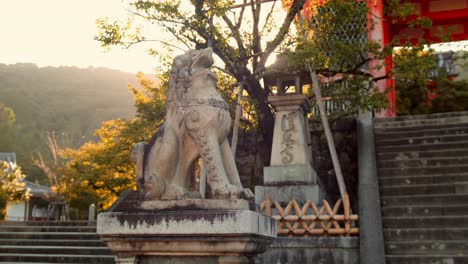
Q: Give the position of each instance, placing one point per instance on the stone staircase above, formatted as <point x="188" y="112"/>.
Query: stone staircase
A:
<point x="423" y="177"/>
<point x="51" y="242"/>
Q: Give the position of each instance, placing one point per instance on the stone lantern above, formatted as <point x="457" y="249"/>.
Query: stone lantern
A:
<point x="283" y="79"/>
<point x="290" y="174"/>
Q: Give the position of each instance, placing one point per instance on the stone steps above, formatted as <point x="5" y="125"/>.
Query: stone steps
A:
<point x="424" y="179"/>
<point x="432" y="259"/>
<point x="417" y="247"/>
<point x="422" y="132"/>
<point x="430" y="199"/>
<point x="55" y="258"/>
<point x="421" y="140"/>
<point x="423" y="169"/>
<point x="418" y="189"/>
<point x="43" y="249"/>
<point x="426" y="210"/>
<point x="48" y="235"/>
<point x="403" y="155"/>
<point x="52" y="242"/>
<point x="69" y="229"/>
<point x="423" y="147"/>
<point x="424" y="162"/>
<point x="421" y="234"/>
<point x="419" y="130"/>
<point x="426" y="221"/>
<point x="416" y="121"/>
<point x="47" y="223"/>
<point x="428" y="170"/>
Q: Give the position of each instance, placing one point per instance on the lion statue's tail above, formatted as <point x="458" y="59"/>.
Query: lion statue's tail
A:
<point x="153" y="187"/>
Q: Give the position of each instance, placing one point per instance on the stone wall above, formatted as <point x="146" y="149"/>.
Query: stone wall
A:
<point x="314" y="250"/>
<point x="344" y="135"/>
<point x="249" y="160"/>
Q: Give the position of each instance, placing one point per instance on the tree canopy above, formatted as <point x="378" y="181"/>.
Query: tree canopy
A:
<point x="12" y="186"/>
<point x="69" y="101"/>
<point x="423" y="87"/>
<point x="98" y="172"/>
<point x="243" y="36"/>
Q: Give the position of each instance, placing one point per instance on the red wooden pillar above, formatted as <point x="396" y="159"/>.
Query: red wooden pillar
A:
<point x="380" y="34"/>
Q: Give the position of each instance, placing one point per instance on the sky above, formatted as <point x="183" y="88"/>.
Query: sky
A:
<point x="60" y="33"/>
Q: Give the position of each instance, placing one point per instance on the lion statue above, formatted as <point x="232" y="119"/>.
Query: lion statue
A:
<point x="197" y="125"/>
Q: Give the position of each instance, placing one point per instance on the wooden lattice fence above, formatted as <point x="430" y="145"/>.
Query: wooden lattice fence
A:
<point x="311" y="221"/>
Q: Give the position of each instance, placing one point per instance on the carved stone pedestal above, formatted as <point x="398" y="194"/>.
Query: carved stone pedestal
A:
<point x="290" y="174"/>
<point x="185" y="231"/>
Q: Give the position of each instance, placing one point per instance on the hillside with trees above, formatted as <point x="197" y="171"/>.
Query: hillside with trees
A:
<point x="68" y="101"/>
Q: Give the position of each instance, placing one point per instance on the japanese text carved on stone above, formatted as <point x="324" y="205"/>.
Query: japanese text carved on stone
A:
<point x="197" y="125"/>
<point x="288" y="127"/>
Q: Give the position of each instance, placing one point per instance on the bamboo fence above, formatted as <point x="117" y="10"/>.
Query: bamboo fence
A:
<point x="310" y="220"/>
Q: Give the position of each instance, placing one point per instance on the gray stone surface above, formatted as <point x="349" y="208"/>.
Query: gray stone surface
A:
<point x="290" y="135"/>
<point x="237" y="204"/>
<point x="422" y="169"/>
<point x="193" y="260"/>
<point x="283" y="194"/>
<point x="197" y="228"/>
<point x="287" y="174"/>
<point x="313" y="250"/>
<point x="186" y="222"/>
<point x="177" y="260"/>
<point x="370" y="220"/>
<point x="461" y="187"/>
<point x="290" y="174"/>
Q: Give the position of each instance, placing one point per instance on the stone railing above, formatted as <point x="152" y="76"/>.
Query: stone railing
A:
<point x="309" y="220"/>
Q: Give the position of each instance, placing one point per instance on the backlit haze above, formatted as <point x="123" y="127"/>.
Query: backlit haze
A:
<point x="60" y="33"/>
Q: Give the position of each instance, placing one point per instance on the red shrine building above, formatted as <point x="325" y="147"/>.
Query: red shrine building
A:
<point x="446" y="15"/>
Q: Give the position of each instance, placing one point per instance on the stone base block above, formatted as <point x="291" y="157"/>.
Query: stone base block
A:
<point x="301" y="174"/>
<point x="203" y="204"/>
<point x="210" y="235"/>
<point x="283" y="194"/>
<point x="194" y="260"/>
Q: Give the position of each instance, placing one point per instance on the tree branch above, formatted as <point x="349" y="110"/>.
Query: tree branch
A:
<point x="296" y="7"/>
<point x="256" y="38"/>
<point x="241" y="15"/>
<point x="268" y="16"/>
<point x="235" y="33"/>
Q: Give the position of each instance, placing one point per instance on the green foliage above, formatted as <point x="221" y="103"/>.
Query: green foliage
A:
<point x="99" y="171"/>
<point x="12" y="186"/>
<point x="69" y="101"/>
<point x="337" y="47"/>
<point x="243" y="38"/>
<point x="337" y="51"/>
<point x="411" y="68"/>
<point x="450" y="96"/>
<point x="419" y="93"/>
<point x="8" y="128"/>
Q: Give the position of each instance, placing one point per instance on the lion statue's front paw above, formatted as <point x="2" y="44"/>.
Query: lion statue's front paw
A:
<point x="247" y="194"/>
<point x="174" y="192"/>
